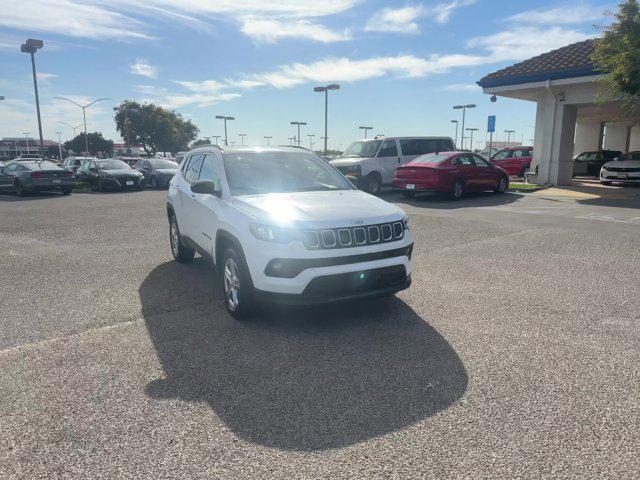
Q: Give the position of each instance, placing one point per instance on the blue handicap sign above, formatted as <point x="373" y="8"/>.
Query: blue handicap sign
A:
<point x="491" y="123"/>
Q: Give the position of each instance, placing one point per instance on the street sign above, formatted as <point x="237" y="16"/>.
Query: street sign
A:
<point x="491" y="123"/>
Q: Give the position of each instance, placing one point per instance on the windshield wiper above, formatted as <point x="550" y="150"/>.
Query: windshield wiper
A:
<point x="317" y="188"/>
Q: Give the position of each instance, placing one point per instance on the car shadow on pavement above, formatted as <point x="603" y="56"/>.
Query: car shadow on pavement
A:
<point x="301" y="379"/>
<point x="482" y="199"/>
<point x="12" y="197"/>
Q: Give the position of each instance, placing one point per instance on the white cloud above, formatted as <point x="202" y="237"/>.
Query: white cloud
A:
<point x="200" y="94"/>
<point x="271" y="30"/>
<point x="562" y="15"/>
<point x="526" y="42"/>
<point x="144" y="69"/>
<point x="402" y="20"/>
<point x="127" y="19"/>
<point x="443" y="11"/>
<point x="461" y="87"/>
<point x="45" y="78"/>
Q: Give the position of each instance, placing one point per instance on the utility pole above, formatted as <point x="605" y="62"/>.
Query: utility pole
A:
<point x="326" y="89"/>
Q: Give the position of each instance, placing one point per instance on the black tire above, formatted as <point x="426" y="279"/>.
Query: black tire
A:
<point x="502" y="185"/>
<point x="19" y="188"/>
<point x="408" y="194"/>
<point x="372" y="183"/>
<point x="605" y="183"/>
<point x="457" y="190"/>
<point x="237" y="289"/>
<point x="179" y="250"/>
<point x="67" y="191"/>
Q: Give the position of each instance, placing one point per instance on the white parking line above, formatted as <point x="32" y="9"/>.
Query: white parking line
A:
<point x="610" y="218"/>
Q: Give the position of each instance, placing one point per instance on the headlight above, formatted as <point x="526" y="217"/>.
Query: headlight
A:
<point x="272" y="233"/>
<point x="405" y="223"/>
<point x="604" y="167"/>
<point x="353" y="170"/>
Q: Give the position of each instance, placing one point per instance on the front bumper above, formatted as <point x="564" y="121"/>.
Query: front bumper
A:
<point x="121" y="183"/>
<point x="630" y="178"/>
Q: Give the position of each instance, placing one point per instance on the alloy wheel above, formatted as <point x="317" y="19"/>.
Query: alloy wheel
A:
<point x="231" y="284"/>
<point x="175" y="238"/>
<point x="457" y="190"/>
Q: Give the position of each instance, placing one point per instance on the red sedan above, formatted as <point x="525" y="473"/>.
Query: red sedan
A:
<point x="450" y="172"/>
<point x="516" y="161"/>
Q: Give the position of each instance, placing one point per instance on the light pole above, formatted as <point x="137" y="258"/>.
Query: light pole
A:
<point x="365" y="130"/>
<point x="242" y="135"/>
<point x="292" y="141"/>
<point x="455" y="141"/>
<point x="26" y="137"/>
<point x="215" y="139"/>
<point x="471" y="139"/>
<point x="31" y="46"/>
<point x="310" y="140"/>
<point x="71" y="127"/>
<point x="222" y="117"/>
<point x="126" y="111"/>
<point x="464" y="111"/>
<point x="298" y="124"/>
<point x="59" y="145"/>
<point x="325" y="89"/>
<point x="509" y="132"/>
<point x="84" y="117"/>
<point x="268" y="137"/>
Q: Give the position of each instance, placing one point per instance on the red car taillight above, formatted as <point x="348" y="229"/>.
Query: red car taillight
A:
<point x="37" y="175"/>
<point x="68" y="174"/>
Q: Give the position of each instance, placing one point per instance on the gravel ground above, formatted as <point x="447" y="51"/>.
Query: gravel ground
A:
<point x="515" y="354"/>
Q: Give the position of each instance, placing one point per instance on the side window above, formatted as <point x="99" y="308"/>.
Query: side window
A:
<point x="209" y="170"/>
<point x="464" y="160"/>
<point x="10" y="168"/>
<point x="480" y="162"/>
<point x="517" y="154"/>
<point x="185" y="164"/>
<point x="193" y="170"/>
<point x="445" y="145"/>
<point x="388" y="149"/>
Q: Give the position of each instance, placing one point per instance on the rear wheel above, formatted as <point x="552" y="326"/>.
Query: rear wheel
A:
<point x="605" y="183"/>
<point x="153" y="183"/>
<point x="67" y="191"/>
<point x="372" y="183"/>
<point x="236" y="284"/>
<point x="502" y="185"/>
<point x="179" y="250"/>
<point x="457" y="191"/>
<point x="407" y="194"/>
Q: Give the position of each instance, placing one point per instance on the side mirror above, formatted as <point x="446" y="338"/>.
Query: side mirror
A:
<point x="352" y="179"/>
<point x="616" y="159"/>
<point x="206" y="187"/>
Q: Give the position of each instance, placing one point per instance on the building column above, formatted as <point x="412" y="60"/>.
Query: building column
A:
<point x="634" y="139"/>
<point x="616" y="137"/>
<point x="555" y="131"/>
<point x="588" y="136"/>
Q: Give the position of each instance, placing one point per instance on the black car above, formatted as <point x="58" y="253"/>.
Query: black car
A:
<point x="157" y="171"/>
<point x="590" y="163"/>
<point x="110" y="174"/>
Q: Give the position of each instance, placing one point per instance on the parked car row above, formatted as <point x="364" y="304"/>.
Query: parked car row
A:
<point x="35" y="176"/>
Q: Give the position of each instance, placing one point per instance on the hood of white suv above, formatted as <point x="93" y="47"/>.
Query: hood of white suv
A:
<point x="319" y="209"/>
<point x="345" y="162"/>
<point x="623" y="164"/>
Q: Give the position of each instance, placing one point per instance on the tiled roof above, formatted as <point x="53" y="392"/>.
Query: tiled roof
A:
<point x="567" y="62"/>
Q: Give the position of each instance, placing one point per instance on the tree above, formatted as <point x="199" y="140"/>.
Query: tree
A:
<point x="617" y="55"/>
<point x="97" y="143"/>
<point x="156" y="128"/>
<point x="200" y="142"/>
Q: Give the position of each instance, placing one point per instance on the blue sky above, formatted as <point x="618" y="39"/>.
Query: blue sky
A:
<point x="401" y="65"/>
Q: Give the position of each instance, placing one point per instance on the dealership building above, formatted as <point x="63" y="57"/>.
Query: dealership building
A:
<point x="563" y="83"/>
<point x="11" y="147"/>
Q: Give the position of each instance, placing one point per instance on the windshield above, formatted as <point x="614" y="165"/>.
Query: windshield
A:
<point x="430" y="158"/>
<point x="502" y="154"/>
<point x="631" y="156"/>
<point x="362" y="149"/>
<point x="164" y="164"/>
<point x="112" y="165"/>
<point x="257" y="173"/>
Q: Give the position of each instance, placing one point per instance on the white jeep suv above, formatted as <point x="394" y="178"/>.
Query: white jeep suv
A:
<point x="283" y="226"/>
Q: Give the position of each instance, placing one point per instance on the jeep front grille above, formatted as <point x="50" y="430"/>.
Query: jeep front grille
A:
<point x="353" y="236"/>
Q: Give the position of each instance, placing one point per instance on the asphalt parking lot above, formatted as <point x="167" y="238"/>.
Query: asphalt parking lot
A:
<point x="516" y="352"/>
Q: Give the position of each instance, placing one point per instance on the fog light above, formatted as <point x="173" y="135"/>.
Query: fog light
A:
<point x="362" y="276"/>
<point x="276" y="267"/>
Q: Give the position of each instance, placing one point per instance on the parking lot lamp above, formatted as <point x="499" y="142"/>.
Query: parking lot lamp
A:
<point x="268" y="137"/>
<point x="325" y="89"/>
<point x="31" y="46"/>
<point x="225" y="118"/>
<point x="509" y="132"/>
<point x="455" y="139"/>
<point x="59" y="145"/>
<point x="365" y="130"/>
<point x="215" y="139"/>
<point x="71" y="127"/>
<point x="464" y="111"/>
<point x="471" y="137"/>
<point x="26" y="137"/>
<point x="242" y="135"/>
<point x="298" y="124"/>
<point x="84" y="116"/>
<point x="292" y="141"/>
<point x="310" y="135"/>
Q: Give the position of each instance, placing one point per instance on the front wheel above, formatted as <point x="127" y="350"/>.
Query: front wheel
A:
<point x="179" y="250"/>
<point x="502" y="185"/>
<point x="457" y="191"/>
<point x="236" y="285"/>
<point x="19" y="188"/>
